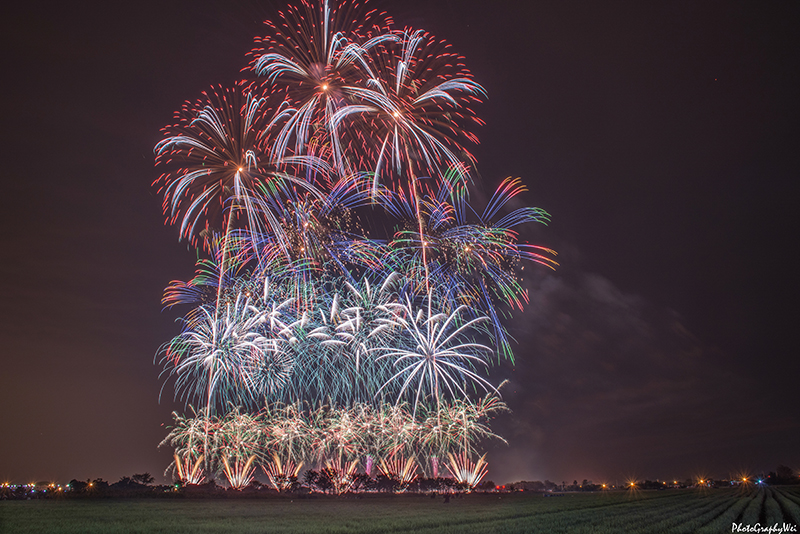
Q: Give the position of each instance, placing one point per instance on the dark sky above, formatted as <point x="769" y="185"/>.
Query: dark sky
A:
<point x="662" y="137"/>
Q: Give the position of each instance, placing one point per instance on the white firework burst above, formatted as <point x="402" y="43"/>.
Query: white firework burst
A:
<point x="433" y="354"/>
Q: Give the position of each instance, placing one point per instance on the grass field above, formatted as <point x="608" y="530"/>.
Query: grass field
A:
<point x="670" y="511"/>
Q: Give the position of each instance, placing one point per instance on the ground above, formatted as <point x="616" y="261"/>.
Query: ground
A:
<point x="669" y="511"/>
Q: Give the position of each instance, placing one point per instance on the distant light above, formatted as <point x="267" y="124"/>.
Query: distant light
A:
<point x="324" y="87"/>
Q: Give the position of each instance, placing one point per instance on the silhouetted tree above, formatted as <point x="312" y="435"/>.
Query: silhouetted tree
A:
<point x="325" y="479"/>
<point x="782" y="475"/>
<point x="143" y="478"/>
<point x="385" y="484"/>
<point x="361" y="481"/>
<point x="487" y="485"/>
<point x="310" y="479"/>
<point x="78" y="486"/>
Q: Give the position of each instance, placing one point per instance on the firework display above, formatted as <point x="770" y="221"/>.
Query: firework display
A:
<point x="349" y="300"/>
<point x="282" y="438"/>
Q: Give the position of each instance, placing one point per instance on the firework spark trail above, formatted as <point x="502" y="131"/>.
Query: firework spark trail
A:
<point x="189" y="472"/>
<point x="459" y="425"/>
<point x="282" y="475"/>
<point x="186" y="438"/>
<point x="239" y="448"/>
<point x="465" y="471"/>
<point x="321" y="234"/>
<point x="399" y="468"/>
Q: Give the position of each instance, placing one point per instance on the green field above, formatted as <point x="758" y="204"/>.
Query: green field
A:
<point x="642" y="511"/>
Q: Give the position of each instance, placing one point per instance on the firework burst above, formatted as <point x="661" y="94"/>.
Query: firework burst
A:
<point x="227" y="358"/>
<point x="411" y="116"/>
<point x="282" y="475"/>
<point x="436" y="358"/>
<point x="215" y="175"/>
<point x="466" y="472"/>
<point x="319" y="54"/>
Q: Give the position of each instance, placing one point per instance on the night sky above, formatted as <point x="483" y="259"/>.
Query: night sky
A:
<point x="662" y="137"/>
